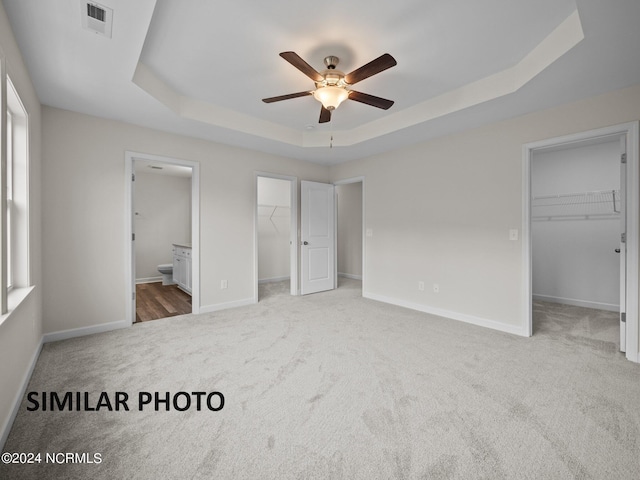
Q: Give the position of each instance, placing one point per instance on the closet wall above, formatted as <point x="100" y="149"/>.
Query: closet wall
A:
<point x="349" y="206"/>
<point x="575" y="228"/>
<point x="274" y="226"/>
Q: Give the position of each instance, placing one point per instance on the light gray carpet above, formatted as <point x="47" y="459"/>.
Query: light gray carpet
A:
<point x="333" y="386"/>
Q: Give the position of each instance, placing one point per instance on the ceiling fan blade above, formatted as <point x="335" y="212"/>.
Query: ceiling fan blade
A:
<point x="325" y="115"/>
<point x="286" y="97"/>
<point x="370" y="100"/>
<point x="375" y="66"/>
<point x="294" y="59"/>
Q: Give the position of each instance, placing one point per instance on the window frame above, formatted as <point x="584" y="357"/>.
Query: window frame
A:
<point x="15" y="275"/>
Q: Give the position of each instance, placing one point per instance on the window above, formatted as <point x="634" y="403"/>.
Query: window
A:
<point x="9" y="195"/>
<point x="15" y="221"/>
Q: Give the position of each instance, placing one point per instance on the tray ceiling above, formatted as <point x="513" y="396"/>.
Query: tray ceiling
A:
<point x="201" y="68"/>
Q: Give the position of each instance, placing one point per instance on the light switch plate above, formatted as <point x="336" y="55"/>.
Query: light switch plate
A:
<point x="513" y="234"/>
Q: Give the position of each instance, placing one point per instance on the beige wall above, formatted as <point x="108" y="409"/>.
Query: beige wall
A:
<point x="349" y="198"/>
<point x="21" y="331"/>
<point x="84" y="214"/>
<point x="441" y="211"/>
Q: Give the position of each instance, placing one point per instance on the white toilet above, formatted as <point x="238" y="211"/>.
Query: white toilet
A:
<point x="166" y="269"/>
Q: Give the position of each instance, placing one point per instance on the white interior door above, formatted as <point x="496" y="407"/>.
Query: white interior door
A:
<point x="623" y="245"/>
<point x="318" y="237"/>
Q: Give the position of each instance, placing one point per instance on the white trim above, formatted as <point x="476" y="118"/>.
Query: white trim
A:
<point x="129" y="219"/>
<point x="3" y="186"/>
<point x="293" y="253"/>
<point x="632" y="132"/>
<point x="577" y="303"/>
<point x="14" y="299"/>
<point x="346" y="181"/>
<point x="17" y="399"/>
<point x="350" y="275"/>
<point x="83" y="331"/>
<point x="527" y="259"/>
<point x="148" y="280"/>
<point x="461" y="317"/>
<point x="272" y="280"/>
<point x="225" y="306"/>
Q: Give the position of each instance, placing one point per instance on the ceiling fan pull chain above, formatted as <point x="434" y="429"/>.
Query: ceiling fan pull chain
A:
<point x="331" y="133"/>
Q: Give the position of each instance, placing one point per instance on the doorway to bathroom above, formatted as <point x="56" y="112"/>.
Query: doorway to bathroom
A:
<point x="162" y="241"/>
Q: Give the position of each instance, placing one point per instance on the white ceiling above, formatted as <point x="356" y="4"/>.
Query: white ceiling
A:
<point x="200" y="68"/>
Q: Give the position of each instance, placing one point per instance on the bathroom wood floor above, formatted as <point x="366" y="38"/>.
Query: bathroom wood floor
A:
<point x="154" y="301"/>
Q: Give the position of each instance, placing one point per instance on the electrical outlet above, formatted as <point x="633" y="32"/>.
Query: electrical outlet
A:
<point x="436" y="288"/>
<point x="369" y="232"/>
<point x="223" y="284"/>
<point x="421" y="286"/>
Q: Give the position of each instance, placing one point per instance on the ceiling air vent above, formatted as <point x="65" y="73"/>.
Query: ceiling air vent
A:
<point x="96" y="18"/>
<point x="96" y="12"/>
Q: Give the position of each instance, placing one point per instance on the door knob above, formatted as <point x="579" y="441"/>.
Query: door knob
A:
<point x="305" y="243"/>
<point x="617" y="250"/>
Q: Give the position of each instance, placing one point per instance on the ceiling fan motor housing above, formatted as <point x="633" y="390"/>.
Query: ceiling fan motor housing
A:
<point x="331" y="62"/>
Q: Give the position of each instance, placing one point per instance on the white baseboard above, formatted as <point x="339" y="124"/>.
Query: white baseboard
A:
<point x="17" y="400"/>
<point x="148" y="280"/>
<point x="224" y="306"/>
<point x="577" y="303"/>
<point x="462" y="317"/>
<point x="350" y="275"/>
<point x="82" y="331"/>
<point x="273" y="280"/>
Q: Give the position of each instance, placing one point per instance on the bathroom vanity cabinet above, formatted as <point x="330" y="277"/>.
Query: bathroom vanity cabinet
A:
<point x="182" y="266"/>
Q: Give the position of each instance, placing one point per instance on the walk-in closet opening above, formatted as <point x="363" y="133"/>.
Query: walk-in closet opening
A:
<point x="276" y="233"/>
<point x="581" y="200"/>
<point x="577" y="223"/>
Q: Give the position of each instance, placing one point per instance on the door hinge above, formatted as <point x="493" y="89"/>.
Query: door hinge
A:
<point x="623" y="237"/>
<point x="133" y="177"/>
<point x="133" y="237"/>
<point x="133" y="295"/>
<point x="623" y="158"/>
<point x="623" y="317"/>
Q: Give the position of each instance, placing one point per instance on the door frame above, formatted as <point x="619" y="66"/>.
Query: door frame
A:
<point x="129" y="228"/>
<point x="631" y="130"/>
<point x="346" y="181"/>
<point x="294" y="233"/>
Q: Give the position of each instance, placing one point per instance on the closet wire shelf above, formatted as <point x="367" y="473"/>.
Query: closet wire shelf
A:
<point x="576" y="206"/>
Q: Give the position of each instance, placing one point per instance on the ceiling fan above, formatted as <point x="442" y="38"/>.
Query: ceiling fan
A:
<point x="332" y="85"/>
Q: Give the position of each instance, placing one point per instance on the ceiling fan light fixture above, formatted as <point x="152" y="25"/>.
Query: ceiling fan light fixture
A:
<point x="331" y="96"/>
<point x="332" y="84"/>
